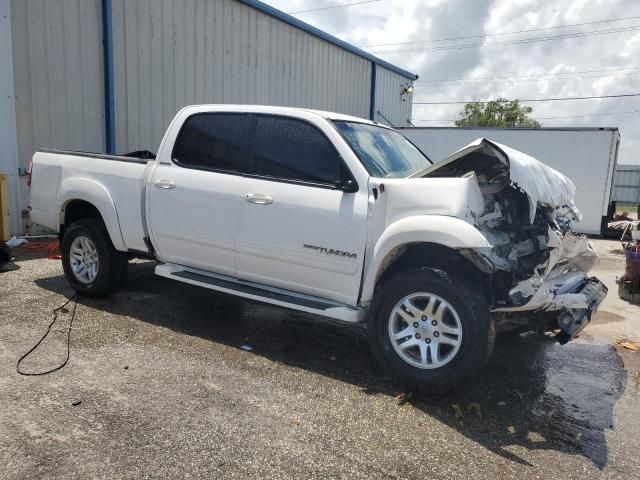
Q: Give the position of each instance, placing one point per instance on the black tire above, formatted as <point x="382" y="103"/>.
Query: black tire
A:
<point x="113" y="264"/>
<point x="478" y="331"/>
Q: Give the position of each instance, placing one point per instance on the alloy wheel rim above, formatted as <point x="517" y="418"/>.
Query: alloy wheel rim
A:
<point x="425" y="330"/>
<point x="83" y="258"/>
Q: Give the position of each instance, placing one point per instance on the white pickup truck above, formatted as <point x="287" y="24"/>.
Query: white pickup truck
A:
<point x="336" y="216"/>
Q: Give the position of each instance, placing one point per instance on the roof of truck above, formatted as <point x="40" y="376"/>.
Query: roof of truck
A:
<point x="337" y="116"/>
<point x="279" y="110"/>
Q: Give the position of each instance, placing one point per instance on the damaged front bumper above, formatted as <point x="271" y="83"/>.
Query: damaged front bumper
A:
<point x="572" y="321"/>
<point x="562" y="285"/>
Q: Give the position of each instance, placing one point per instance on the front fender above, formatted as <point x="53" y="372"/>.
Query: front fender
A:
<point x="97" y="195"/>
<point x="448" y="231"/>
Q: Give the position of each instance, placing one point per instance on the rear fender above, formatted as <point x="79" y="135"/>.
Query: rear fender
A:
<point x="447" y="231"/>
<point x="97" y="195"/>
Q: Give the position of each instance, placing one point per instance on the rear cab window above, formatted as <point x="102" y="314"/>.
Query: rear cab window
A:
<point x="214" y="141"/>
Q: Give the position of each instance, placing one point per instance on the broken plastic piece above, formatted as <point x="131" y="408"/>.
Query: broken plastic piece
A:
<point x="15" y="242"/>
<point x="626" y="344"/>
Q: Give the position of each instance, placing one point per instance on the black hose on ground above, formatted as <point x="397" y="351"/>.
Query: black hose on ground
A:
<point x="62" y="309"/>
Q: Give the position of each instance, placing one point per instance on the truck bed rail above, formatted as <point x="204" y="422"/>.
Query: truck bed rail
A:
<point x="99" y="156"/>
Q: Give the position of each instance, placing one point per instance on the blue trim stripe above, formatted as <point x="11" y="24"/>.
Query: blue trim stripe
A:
<point x="109" y="91"/>
<point x="274" y="12"/>
<point x="372" y="102"/>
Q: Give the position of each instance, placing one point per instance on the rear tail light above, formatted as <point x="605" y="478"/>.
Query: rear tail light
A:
<point x="30" y="174"/>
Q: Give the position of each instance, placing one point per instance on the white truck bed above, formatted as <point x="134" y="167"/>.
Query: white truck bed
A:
<point x="123" y="186"/>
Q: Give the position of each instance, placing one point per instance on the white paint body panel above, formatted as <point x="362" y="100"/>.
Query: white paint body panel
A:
<point x="587" y="156"/>
<point x="271" y="239"/>
<point x="113" y="187"/>
<point x="195" y="223"/>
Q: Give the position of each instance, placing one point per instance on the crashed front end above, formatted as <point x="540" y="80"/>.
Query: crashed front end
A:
<point x="539" y="267"/>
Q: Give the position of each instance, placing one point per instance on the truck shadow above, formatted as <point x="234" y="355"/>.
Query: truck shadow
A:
<point x="534" y="394"/>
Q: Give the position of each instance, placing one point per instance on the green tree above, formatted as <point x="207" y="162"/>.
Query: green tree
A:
<point x="497" y="113"/>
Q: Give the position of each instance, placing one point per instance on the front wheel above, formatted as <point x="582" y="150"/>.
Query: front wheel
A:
<point x="428" y="331"/>
<point x="92" y="266"/>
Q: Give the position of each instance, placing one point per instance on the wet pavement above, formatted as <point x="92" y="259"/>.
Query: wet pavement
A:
<point x="165" y="390"/>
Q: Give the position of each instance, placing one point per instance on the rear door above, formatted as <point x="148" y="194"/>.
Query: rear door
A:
<point x="297" y="230"/>
<point x="194" y="197"/>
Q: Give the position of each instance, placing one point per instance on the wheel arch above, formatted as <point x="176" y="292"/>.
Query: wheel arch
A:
<point x="83" y="198"/>
<point x="426" y="241"/>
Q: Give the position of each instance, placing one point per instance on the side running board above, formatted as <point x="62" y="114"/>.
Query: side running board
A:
<point x="261" y="293"/>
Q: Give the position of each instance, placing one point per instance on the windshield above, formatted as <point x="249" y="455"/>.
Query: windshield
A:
<point x="384" y="153"/>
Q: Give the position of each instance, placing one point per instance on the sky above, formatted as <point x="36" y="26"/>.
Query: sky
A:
<point x="592" y="59"/>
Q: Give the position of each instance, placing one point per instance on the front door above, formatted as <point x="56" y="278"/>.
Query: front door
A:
<point x="297" y="230"/>
<point x="194" y="197"/>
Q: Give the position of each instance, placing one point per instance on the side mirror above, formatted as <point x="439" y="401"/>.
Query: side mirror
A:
<point x="347" y="186"/>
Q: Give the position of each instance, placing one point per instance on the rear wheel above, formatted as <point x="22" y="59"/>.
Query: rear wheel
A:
<point x="92" y="266"/>
<point x="428" y="331"/>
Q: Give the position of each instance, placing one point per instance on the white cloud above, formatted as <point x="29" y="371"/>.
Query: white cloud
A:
<point x="396" y="21"/>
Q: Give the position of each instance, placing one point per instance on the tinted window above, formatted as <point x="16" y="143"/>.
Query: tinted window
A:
<point x="213" y="141"/>
<point x="293" y="149"/>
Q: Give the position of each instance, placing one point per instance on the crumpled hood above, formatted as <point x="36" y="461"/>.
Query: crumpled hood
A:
<point x="492" y="162"/>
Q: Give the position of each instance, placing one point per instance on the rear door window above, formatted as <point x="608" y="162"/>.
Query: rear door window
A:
<point x="214" y="141"/>
<point x="291" y="149"/>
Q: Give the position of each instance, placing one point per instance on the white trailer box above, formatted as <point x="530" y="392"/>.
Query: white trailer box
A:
<point x="588" y="156"/>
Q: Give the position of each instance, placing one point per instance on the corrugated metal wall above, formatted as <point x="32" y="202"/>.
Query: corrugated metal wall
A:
<point x="626" y="184"/>
<point x="8" y="136"/>
<point x="390" y="107"/>
<point x="58" y="81"/>
<point x="167" y="54"/>
<point x="172" y="53"/>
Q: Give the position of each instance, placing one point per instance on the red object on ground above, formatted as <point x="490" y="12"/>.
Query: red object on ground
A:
<point x="52" y="249"/>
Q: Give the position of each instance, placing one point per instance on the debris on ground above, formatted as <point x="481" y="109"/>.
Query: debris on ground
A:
<point x="535" y="437"/>
<point x="627" y="344"/>
<point x="457" y="411"/>
<point x="403" y="397"/>
<point x="517" y="393"/>
<point x="15" y="242"/>
<point x="474" y="408"/>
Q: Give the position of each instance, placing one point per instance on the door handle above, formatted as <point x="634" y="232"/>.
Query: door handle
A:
<point x="166" y="184"/>
<point x="258" y="198"/>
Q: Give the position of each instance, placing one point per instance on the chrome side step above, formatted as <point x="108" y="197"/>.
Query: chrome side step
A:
<point x="261" y="293"/>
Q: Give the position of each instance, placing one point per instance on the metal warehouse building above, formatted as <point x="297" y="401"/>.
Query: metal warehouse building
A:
<point x="108" y="75"/>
